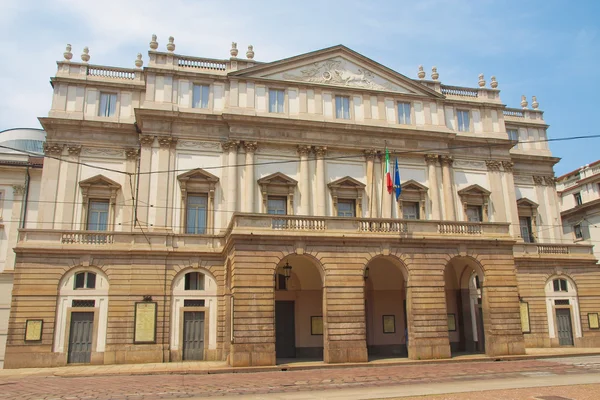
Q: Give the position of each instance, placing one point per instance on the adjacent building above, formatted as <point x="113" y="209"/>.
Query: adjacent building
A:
<point x="21" y="160"/>
<point x="229" y="209"/>
<point x="579" y="193"/>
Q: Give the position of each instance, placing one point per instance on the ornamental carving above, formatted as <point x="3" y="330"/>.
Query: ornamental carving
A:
<point x="303" y="151"/>
<point x="370" y="154"/>
<point x="320" y="151"/>
<point x="469" y="164"/>
<point x="74" y="150"/>
<point x="166" y="141"/>
<point x="432" y="159"/>
<point x="132" y="154"/>
<point x="100" y="151"/>
<point x="538" y="180"/>
<point x="230" y="145"/>
<point x="250" y="147"/>
<point x="550" y="180"/>
<point x="447" y="160"/>
<point x="508" y="166"/>
<point x="493" y="165"/>
<point x="146" y="140"/>
<point x="198" y="145"/>
<point x="53" y="149"/>
<point x="18" y="190"/>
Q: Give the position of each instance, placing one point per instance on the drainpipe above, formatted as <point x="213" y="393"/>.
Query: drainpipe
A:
<point x="24" y="205"/>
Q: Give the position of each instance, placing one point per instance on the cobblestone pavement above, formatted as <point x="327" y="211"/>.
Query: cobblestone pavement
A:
<point x="171" y="386"/>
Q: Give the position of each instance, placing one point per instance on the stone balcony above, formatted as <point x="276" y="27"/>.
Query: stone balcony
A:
<point x="554" y="251"/>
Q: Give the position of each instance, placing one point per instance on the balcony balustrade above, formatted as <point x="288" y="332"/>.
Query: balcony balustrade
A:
<point x="548" y="250"/>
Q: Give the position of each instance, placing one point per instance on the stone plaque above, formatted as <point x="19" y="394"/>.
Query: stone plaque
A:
<point x="525" y="328"/>
<point x="389" y="324"/>
<point x="316" y="325"/>
<point x="145" y="322"/>
<point x="33" y="330"/>
<point x="593" y="320"/>
<point x="451" y="322"/>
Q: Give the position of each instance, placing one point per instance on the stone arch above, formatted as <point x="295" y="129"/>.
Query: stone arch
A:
<point x="559" y="273"/>
<point x="315" y="261"/>
<point x="71" y="271"/>
<point x="559" y="302"/>
<point x="397" y="261"/>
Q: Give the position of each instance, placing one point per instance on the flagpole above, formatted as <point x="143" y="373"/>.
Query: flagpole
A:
<point x="383" y="183"/>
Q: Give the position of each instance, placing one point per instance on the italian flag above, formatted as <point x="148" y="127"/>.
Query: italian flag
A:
<point x="388" y="175"/>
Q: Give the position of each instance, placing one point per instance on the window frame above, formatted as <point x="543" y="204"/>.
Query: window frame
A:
<point x="187" y="211"/>
<point x="86" y="280"/>
<point x="198" y="182"/>
<point x="516" y="131"/>
<point x="529" y="226"/>
<point x="348" y="98"/>
<point x="458" y="125"/>
<point x="274" y="198"/>
<point x="116" y="110"/>
<point x="417" y="206"/>
<point x="91" y="201"/>
<point x="200" y="281"/>
<point x="277" y="185"/>
<point x="277" y="91"/>
<point x="558" y="287"/>
<point x="208" y="99"/>
<point x="576" y="228"/>
<point x="347" y="188"/>
<point x="405" y="122"/>
<point x="475" y="196"/>
<point x="578" y="199"/>
<point x="99" y="188"/>
<point x="352" y="208"/>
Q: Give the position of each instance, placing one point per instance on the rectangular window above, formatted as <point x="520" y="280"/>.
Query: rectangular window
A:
<point x="200" y="96"/>
<point x="277" y="205"/>
<point x="560" y="285"/>
<point x="196" y="214"/>
<point x="342" y="107"/>
<point x="97" y="215"/>
<point x="577" y="231"/>
<point x="578" y="200"/>
<point x="474" y="214"/>
<point x="513" y="135"/>
<point x="404" y="113"/>
<point x="410" y="210"/>
<point x="281" y="282"/>
<point x="525" y="223"/>
<point x="463" y="120"/>
<point x="346" y="208"/>
<point x="108" y="105"/>
<point x="276" y="99"/>
<point x="194" y="281"/>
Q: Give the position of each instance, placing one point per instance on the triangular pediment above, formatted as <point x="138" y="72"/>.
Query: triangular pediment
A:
<point x="337" y="66"/>
<point x="525" y="202"/>
<point x="474" y="190"/>
<point x="278" y="178"/>
<point x="414" y="185"/>
<point x="346" y="182"/>
<point x="99" y="180"/>
<point x="198" y="174"/>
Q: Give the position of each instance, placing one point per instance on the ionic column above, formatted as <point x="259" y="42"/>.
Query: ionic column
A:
<point x="321" y="200"/>
<point x="162" y="194"/>
<point x="449" y="211"/>
<point x="231" y="193"/>
<point x="49" y="187"/>
<point x="370" y="157"/>
<point x="434" y="190"/>
<point x="250" y="183"/>
<point x="510" y="201"/>
<point x="493" y="167"/>
<point x="132" y="155"/>
<point x="304" y="188"/>
<point x="144" y="201"/>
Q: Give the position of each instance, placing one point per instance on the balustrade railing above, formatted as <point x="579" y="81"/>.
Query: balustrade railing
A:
<point x="199" y="63"/>
<point x="460" y="228"/>
<point x="87" y="238"/>
<point x="552" y="249"/>
<point x="459" y="91"/>
<point x="383" y="226"/>
<point x="513" y="112"/>
<point x="298" y="224"/>
<point x="111" y="73"/>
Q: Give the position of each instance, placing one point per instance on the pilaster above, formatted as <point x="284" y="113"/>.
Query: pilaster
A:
<point x="499" y="209"/>
<point x="304" y="189"/>
<point x="49" y="186"/>
<point x="511" y="198"/>
<point x="449" y="207"/>
<point x="132" y="156"/>
<point x="250" y="181"/>
<point x="320" y="153"/>
<point x="370" y="157"/>
<point x="434" y="190"/>
<point x="163" y="208"/>
<point x="143" y="200"/>
<point x="231" y="148"/>
<point x="13" y="233"/>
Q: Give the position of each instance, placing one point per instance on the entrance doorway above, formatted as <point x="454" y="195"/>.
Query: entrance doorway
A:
<point x="564" y="327"/>
<point x="193" y="335"/>
<point x="285" y="329"/>
<point x="80" y="337"/>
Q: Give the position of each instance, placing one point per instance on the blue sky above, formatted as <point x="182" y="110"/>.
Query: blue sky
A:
<point x="549" y="49"/>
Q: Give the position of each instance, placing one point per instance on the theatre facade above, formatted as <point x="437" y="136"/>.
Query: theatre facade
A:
<point x="236" y="210"/>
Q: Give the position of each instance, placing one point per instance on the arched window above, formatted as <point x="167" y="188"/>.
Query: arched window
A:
<point x="84" y="280"/>
<point x="194" y="281"/>
<point x="560" y="285"/>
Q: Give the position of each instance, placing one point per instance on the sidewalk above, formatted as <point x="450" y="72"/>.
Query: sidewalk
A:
<point x="221" y="367"/>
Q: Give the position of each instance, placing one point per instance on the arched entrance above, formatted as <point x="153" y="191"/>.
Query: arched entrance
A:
<point x="385" y="308"/>
<point x="464" y="278"/>
<point x="298" y="309"/>
<point x="562" y="309"/>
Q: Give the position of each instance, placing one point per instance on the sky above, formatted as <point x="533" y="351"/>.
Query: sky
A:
<point x="544" y="48"/>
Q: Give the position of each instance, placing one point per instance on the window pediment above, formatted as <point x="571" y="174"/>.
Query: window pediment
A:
<point x="99" y="186"/>
<point x="347" y="188"/>
<point x="474" y="190"/>
<point x="346" y="182"/>
<point x="413" y="186"/>
<point x="475" y="195"/>
<point x="197" y="180"/>
<point x="526" y="203"/>
<point x="279" y="179"/>
<point x="278" y="184"/>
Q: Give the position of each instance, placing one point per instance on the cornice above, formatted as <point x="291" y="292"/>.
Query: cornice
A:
<point x="583" y="208"/>
<point x="132" y="85"/>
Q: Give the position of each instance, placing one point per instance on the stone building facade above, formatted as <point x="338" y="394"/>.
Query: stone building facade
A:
<point x="236" y="210"/>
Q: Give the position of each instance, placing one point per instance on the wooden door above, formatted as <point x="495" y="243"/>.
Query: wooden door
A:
<point x="285" y="329"/>
<point x="565" y="330"/>
<point x="80" y="337"/>
<point x="193" y="335"/>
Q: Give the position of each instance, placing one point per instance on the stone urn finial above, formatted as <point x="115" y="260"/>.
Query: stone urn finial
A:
<point x="481" y="81"/>
<point x="421" y="73"/>
<point x="234" y="49"/>
<point x="434" y="73"/>
<point x="494" y="82"/>
<point x="250" y="52"/>
<point x="171" y="44"/>
<point x="534" y="103"/>
<point x="67" y="54"/>
<point x="523" y="101"/>
<point x="85" y="56"/>
<point x="153" y="43"/>
<point x="138" y="61"/>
